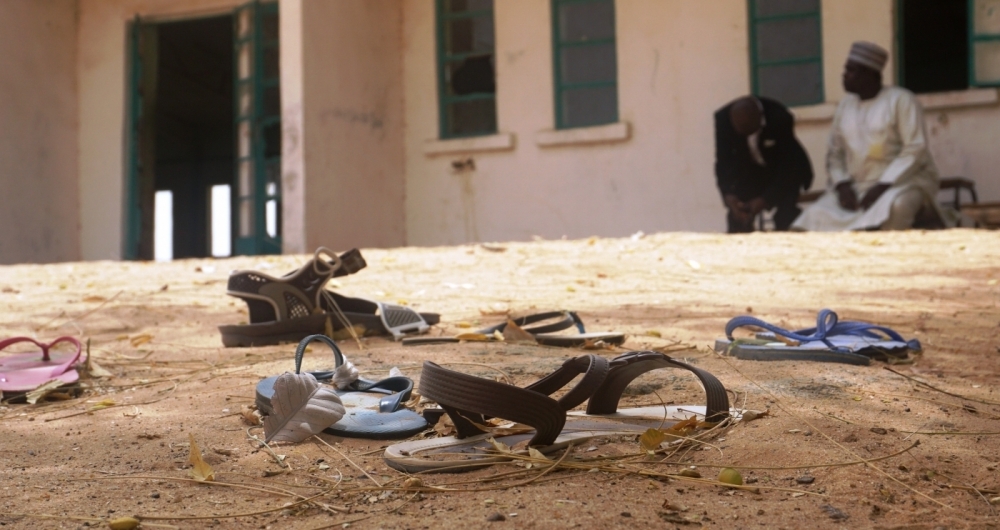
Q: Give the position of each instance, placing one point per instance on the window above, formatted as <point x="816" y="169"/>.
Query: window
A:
<point x="947" y="44"/>
<point x="786" y="50"/>
<point x="466" y="80"/>
<point x="985" y="42"/>
<point x="933" y="45"/>
<point x="586" y="68"/>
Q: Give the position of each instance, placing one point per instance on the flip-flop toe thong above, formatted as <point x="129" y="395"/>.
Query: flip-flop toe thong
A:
<point x="23" y="372"/>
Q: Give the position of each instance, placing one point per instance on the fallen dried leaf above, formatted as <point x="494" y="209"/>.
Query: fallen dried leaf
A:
<point x="514" y="333"/>
<point x="444" y="426"/>
<point x="535" y="453"/>
<point x="102" y="404"/>
<point x="43" y="390"/>
<point x="651" y="439"/>
<point x="139" y="340"/>
<point x="474" y="337"/>
<point x="123" y="523"/>
<point x="302" y="408"/>
<point x="750" y="415"/>
<point x="96" y="370"/>
<point x="250" y="416"/>
<point x="200" y="470"/>
<point x="684" y="428"/>
<point x="500" y="447"/>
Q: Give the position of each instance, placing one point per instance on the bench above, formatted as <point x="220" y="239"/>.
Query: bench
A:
<point x="983" y="215"/>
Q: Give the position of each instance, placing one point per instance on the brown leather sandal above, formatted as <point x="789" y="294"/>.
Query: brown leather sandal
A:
<point x="470" y="400"/>
<point x="290" y="308"/>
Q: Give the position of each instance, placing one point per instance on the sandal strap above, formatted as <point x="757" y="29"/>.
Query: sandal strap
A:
<point x="567" y="319"/>
<point x="626" y="367"/>
<point x="296" y="294"/>
<point x="595" y="369"/>
<point x="827" y="325"/>
<point x="300" y="351"/>
<point x="468" y="399"/>
<point x="45" y="346"/>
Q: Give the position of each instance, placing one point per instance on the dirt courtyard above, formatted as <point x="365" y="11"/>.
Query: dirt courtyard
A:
<point x="120" y="448"/>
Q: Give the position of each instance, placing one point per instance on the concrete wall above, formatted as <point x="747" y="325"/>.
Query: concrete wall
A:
<point x="39" y="213"/>
<point x="677" y="62"/>
<point x="352" y="125"/>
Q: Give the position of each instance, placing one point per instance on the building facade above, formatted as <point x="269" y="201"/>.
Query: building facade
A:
<point x="430" y="122"/>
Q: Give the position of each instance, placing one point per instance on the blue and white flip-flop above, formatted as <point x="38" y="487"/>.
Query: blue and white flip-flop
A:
<point x="374" y="408"/>
<point x="830" y="341"/>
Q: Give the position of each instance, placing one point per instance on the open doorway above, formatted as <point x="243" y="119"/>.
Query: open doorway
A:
<point x="933" y="45"/>
<point x="194" y="127"/>
<point x="205" y="137"/>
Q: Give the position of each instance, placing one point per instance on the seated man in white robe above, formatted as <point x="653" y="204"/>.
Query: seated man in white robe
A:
<point x="881" y="172"/>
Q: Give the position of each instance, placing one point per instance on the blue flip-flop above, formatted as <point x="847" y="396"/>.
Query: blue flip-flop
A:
<point x="374" y="408"/>
<point x="846" y="342"/>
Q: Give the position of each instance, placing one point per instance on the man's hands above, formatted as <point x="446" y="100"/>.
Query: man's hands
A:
<point x="744" y="212"/>
<point x="873" y="194"/>
<point x="846" y="196"/>
<point x="849" y="200"/>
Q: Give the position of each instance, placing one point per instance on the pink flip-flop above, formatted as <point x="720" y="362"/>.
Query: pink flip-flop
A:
<point x="26" y="371"/>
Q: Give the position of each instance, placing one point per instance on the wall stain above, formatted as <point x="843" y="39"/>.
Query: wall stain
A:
<point x="371" y="119"/>
<point x="465" y="170"/>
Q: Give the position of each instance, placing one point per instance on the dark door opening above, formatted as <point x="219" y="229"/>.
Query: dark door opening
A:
<point x="204" y="151"/>
<point x="933" y="45"/>
<point x="194" y="125"/>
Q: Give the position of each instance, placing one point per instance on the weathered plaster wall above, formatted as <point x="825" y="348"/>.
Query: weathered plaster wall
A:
<point x="677" y="62"/>
<point x="39" y="216"/>
<point x="352" y="123"/>
<point x="962" y="127"/>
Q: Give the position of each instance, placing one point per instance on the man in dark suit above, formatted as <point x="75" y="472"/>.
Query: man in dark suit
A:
<point x="759" y="164"/>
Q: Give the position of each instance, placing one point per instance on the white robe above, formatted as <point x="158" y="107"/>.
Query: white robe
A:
<point x="877" y="141"/>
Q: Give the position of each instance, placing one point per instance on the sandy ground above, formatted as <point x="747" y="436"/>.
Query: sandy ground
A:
<point x="153" y="326"/>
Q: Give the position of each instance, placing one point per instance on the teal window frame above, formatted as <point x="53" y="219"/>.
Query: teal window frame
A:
<point x="975" y="38"/>
<point x="442" y="17"/>
<point x="563" y="87"/>
<point x="756" y="65"/>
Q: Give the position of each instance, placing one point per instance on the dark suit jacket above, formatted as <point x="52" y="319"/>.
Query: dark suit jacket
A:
<point x="787" y="164"/>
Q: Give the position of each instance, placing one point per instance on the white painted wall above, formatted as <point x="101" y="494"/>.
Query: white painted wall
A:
<point x="39" y="212"/>
<point x="677" y="62"/>
<point x="352" y="123"/>
<point x="360" y="109"/>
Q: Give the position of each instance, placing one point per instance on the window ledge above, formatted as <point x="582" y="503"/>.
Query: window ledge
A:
<point x="973" y="97"/>
<point x="814" y="113"/>
<point x="493" y="142"/>
<point x="614" y="132"/>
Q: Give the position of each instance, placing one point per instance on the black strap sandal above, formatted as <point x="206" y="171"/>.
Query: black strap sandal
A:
<point x="545" y="334"/>
<point x="297" y="305"/>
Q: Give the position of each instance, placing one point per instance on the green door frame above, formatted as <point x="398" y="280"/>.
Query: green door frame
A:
<point x="257" y="179"/>
<point x="260" y="188"/>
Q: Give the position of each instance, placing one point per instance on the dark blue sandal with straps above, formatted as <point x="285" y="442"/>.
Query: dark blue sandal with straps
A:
<point x="830" y="340"/>
<point x="374" y="408"/>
